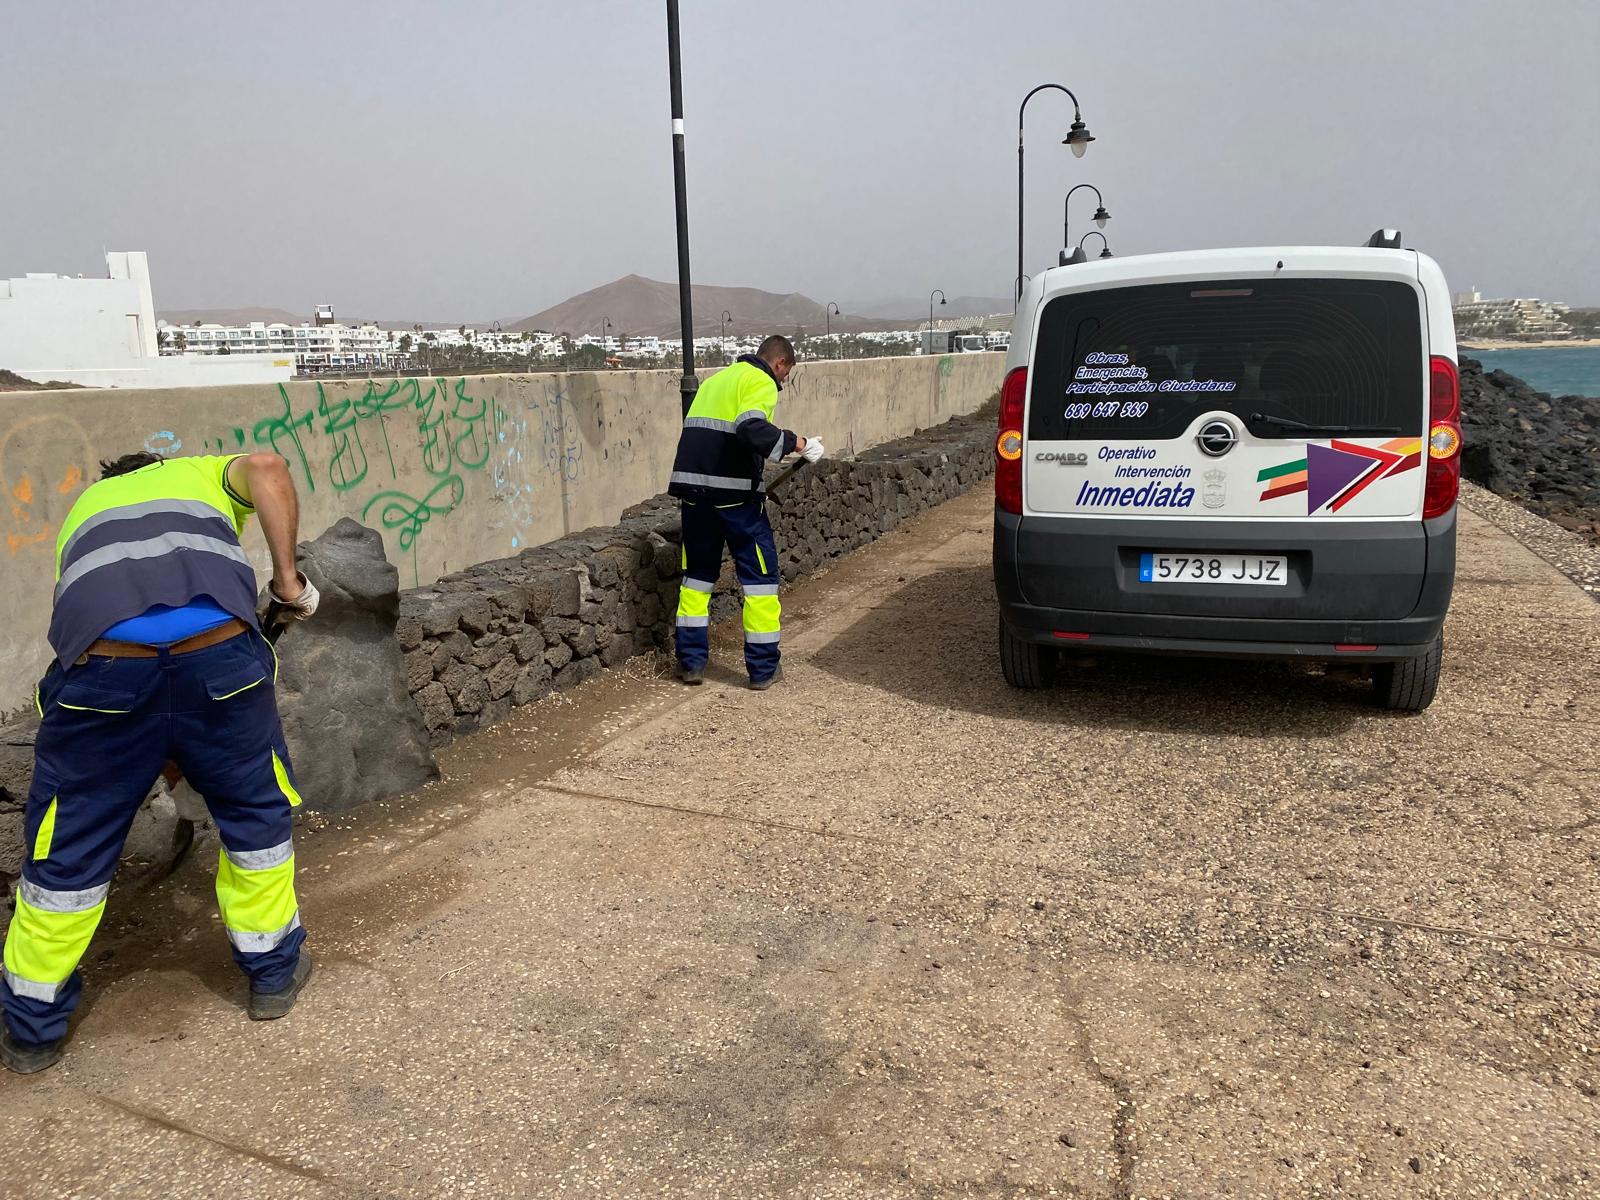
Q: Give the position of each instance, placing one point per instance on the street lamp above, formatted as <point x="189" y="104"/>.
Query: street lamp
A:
<point x="722" y="342"/>
<point x="1077" y="140"/>
<point x="939" y="292"/>
<point x="1078" y="255"/>
<point x="1101" y="216"/>
<point x="605" y="324"/>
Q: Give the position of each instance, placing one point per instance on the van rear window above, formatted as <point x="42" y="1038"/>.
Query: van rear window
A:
<point x="1140" y="363"/>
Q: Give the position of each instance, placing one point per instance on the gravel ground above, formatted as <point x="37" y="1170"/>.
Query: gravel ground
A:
<point x="1574" y="556"/>
<point x="1173" y="928"/>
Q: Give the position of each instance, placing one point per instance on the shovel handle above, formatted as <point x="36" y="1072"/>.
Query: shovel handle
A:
<point x="781" y="479"/>
<point x="273" y="624"/>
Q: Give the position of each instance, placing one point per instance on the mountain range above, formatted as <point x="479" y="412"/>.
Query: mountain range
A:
<point x="635" y="305"/>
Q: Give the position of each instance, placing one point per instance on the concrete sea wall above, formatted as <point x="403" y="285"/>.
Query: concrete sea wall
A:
<point x="451" y="470"/>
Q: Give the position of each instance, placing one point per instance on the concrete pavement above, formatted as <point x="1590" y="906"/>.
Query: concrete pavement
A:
<point x="890" y="929"/>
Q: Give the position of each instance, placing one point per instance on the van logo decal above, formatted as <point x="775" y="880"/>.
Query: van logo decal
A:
<point x="1214" y="488"/>
<point x="1216" y="438"/>
<point x="1063" y="458"/>
<point x="1331" y="476"/>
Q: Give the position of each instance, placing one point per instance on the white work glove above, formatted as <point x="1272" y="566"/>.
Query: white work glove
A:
<point x="303" y="605"/>
<point x="813" y="451"/>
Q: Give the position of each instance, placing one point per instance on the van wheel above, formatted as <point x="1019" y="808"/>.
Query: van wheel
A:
<point x="1410" y="685"/>
<point x="1025" y="664"/>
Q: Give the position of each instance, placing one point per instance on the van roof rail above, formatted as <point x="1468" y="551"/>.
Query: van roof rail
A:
<point x="1385" y="239"/>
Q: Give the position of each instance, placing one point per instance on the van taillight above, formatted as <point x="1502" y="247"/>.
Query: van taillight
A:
<point x="1008" y="444"/>
<point x="1444" y="438"/>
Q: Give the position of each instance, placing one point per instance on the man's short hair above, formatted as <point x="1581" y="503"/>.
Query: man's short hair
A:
<point x="776" y="349"/>
<point x="110" y="468"/>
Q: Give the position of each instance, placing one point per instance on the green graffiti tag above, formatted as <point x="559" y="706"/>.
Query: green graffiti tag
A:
<point x="330" y="435"/>
<point x="347" y="466"/>
<point x="268" y="430"/>
<point x="408" y="515"/>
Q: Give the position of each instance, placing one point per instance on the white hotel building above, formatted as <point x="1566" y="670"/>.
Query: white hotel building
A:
<point x="320" y="345"/>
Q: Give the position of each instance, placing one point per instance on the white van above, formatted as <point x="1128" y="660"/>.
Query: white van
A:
<point x="1248" y="452"/>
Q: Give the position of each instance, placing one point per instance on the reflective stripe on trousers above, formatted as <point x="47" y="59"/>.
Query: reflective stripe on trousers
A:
<point x="214" y="710"/>
<point x="746" y="532"/>
<point x="255" y="891"/>
<point x="50" y="930"/>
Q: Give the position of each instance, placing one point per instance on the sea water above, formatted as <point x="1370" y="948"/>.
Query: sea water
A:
<point x="1559" y="370"/>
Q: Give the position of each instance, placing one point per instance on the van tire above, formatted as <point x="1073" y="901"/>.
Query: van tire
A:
<point x="1025" y="664"/>
<point x="1411" y="684"/>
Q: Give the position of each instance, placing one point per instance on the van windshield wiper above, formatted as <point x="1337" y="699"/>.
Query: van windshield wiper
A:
<point x="1303" y="427"/>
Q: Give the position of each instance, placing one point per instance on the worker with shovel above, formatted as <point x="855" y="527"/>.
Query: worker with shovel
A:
<point x="728" y="438"/>
<point x="159" y="656"/>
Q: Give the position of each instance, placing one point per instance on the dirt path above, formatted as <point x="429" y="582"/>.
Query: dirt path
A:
<point x="891" y="929"/>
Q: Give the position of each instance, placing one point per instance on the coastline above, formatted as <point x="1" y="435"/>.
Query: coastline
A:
<point x="1508" y="344"/>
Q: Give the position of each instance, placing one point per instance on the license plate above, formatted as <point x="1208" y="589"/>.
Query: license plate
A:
<point x="1269" y="569"/>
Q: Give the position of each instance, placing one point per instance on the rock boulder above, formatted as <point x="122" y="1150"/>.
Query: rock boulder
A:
<point x="354" y="732"/>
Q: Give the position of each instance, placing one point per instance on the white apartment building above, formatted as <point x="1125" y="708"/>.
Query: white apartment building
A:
<point x="103" y="333"/>
<point x="333" y="346"/>
<point x="1522" y="318"/>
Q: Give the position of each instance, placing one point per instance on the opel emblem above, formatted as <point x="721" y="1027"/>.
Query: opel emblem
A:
<point x="1216" y="438"/>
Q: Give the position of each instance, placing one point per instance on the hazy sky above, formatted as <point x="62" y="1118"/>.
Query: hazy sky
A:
<point x="468" y="161"/>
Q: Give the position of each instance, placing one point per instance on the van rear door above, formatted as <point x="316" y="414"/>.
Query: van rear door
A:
<point x="1322" y="382"/>
<point x="1230" y="413"/>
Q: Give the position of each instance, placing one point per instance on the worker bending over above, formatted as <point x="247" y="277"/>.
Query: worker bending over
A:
<point x="159" y="655"/>
<point x="727" y="440"/>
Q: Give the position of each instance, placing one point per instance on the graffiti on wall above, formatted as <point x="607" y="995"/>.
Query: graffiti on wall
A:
<point x="361" y="442"/>
<point x="33" y="498"/>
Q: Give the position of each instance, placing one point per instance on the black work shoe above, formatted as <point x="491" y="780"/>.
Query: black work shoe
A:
<point x="269" y="1006"/>
<point x="27" y="1057"/>
<point x="761" y="685"/>
<point x="692" y="678"/>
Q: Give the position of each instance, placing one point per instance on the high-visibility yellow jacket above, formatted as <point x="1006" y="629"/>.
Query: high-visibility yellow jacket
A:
<point x="163" y="534"/>
<point x="728" y="436"/>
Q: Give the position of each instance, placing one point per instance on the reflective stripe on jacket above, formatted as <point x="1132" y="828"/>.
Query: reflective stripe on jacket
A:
<point x="163" y="534"/>
<point x="728" y="436"/>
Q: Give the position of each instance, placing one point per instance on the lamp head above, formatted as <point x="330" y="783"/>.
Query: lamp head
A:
<point x="1078" y="138"/>
<point x="1106" y="253"/>
<point x="1101" y="216"/>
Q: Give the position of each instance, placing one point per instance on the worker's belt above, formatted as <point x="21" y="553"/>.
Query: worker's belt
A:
<point x="233" y="627"/>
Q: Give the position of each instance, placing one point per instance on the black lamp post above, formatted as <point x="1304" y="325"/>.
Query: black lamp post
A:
<point x="722" y="340"/>
<point x="1101" y="216"/>
<point x="939" y="292"/>
<point x="1105" y="246"/>
<point x="1077" y="140"/>
<point x="827" y="318"/>
<point x="689" y="383"/>
<point x="605" y="324"/>
<point x="1078" y="255"/>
